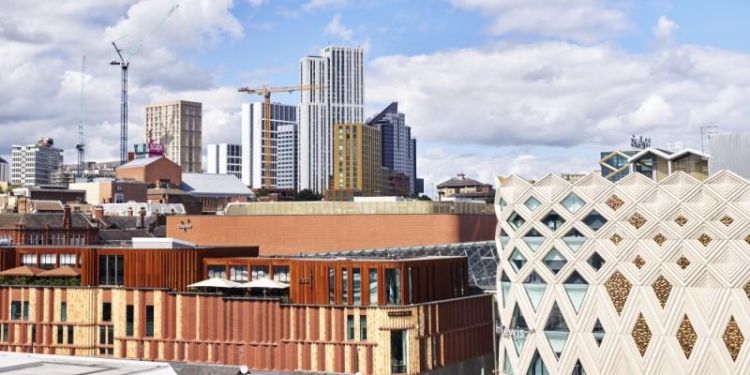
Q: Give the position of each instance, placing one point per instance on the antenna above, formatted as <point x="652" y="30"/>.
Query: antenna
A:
<point x="81" y="146"/>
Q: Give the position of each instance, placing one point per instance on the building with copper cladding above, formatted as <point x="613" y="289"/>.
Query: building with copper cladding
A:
<point x="295" y="227"/>
<point x="338" y="315"/>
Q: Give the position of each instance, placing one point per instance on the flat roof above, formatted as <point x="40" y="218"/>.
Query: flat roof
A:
<point x="33" y="364"/>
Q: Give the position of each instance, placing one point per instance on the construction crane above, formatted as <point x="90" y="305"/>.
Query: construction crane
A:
<point x="124" y="63"/>
<point x="81" y="146"/>
<point x="265" y="91"/>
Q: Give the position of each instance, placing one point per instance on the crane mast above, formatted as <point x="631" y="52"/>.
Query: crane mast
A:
<point x="81" y="145"/>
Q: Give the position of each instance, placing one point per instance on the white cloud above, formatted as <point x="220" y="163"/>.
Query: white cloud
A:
<point x="664" y="29"/>
<point x="337" y="29"/>
<point x="319" y="4"/>
<point x="256" y="3"/>
<point x="580" y="20"/>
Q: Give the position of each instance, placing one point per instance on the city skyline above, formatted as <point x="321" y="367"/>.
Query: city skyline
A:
<point x="531" y="95"/>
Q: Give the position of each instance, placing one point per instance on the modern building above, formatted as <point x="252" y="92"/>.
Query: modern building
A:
<point x="224" y="158"/>
<point x="4" y="171"/>
<point x="730" y="152"/>
<point x="653" y="163"/>
<point x="336" y="315"/>
<point x="215" y="191"/>
<point x="112" y="191"/>
<point x="178" y="126"/>
<point x="460" y="187"/>
<point x="294" y="227"/>
<point x="637" y="276"/>
<point x="33" y="165"/>
<point x="357" y="159"/>
<point x="338" y="98"/>
<point x="399" y="148"/>
<point x="283" y="145"/>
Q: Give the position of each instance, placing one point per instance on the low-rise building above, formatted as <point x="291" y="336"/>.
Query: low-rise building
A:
<point x="215" y="191"/>
<point x="460" y="186"/>
<point x="155" y="172"/>
<point x="58" y="229"/>
<point x="111" y="191"/>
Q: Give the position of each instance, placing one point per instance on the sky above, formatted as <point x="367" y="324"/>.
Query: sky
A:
<point x="489" y="87"/>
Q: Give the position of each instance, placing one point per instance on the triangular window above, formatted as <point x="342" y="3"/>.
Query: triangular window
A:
<point x="577" y="369"/>
<point x="554" y="261"/>
<point x="537" y="366"/>
<point x="556" y="330"/>
<point x="505" y="286"/>
<point x="594" y="220"/>
<point x="574" y="239"/>
<point x="553" y="220"/>
<point x="535" y="287"/>
<point x="598" y="332"/>
<point x="518" y="324"/>
<point x="533" y="239"/>
<point x="504" y="238"/>
<point x="517" y="260"/>
<point x="576" y="288"/>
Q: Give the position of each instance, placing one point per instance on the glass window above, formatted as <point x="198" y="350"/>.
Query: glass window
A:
<point x="25" y="310"/>
<point x="217" y="271"/>
<point x="344" y="286"/>
<point x="594" y="220"/>
<point x="60" y="334"/>
<point x="259" y="272"/>
<point x="574" y="239"/>
<point x="5" y="332"/>
<point x="576" y="288"/>
<point x="107" y="312"/>
<point x="48" y="261"/>
<point x="537" y="366"/>
<point x="515" y="220"/>
<point x="410" y="290"/>
<point x="350" y="327"/>
<point x="71" y="335"/>
<point x="554" y="261"/>
<point x="68" y="260"/>
<point x="331" y="285"/>
<point x="393" y="286"/>
<point x="63" y="311"/>
<point x="238" y="273"/>
<point x="553" y="220"/>
<point x="149" y="321"/>
<point x="572" y="203"/>
<point x="281" y="273"/>
<point x="363" y="327"/>
<point x="129" y="320"/>
<point x="15" y="310"/>
<point x="28" y="259"/>
<point x="533" y="239"/>
<point x="373" y="282"/>
<point x="517" y="260"/>
<point x="111" y="269"/>
<point x="356" y="286"/>
<point x="535" y="287"/>
<point x="532" y="203"/>
<point x="398" y="351"/>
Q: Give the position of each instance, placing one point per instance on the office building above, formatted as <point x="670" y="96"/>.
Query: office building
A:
<point x="338" y="98"/>
<point x="224" y="158"/>
<point x="178" y="126"/>
<point x="283" y="146"/>
<point x="399" y="148"/>
<point x="331" y="315"/>
<point x="653" y="163"/>
<point x="356" y="159"/>
<point x="637" y="276"/>
<point x="33" y="165"/>
<point x="4" y="171"/>
<point x="730" y="152"/>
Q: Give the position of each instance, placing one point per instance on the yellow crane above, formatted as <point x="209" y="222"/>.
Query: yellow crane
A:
<point x="265" y="91"/>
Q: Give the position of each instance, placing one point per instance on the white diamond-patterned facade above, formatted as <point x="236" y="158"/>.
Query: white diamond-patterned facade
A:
<point x="632" y="277"/>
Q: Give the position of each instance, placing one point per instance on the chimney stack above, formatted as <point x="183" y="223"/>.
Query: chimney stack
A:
<point x="67" y="217"/>
<point x="99" y="213"/>
<point x="142" y="220"/>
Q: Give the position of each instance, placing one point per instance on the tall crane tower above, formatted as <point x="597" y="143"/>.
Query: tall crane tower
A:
<point x="265" y="91"/>
<point x="124" y="63"/>
<point x="81" y="145"/>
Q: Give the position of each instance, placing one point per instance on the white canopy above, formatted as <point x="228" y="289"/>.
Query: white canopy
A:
<point x="216" y="282"/>
<point x="265" y="284"/>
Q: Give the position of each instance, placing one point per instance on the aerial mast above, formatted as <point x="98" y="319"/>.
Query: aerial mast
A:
<point x="81" y="145"/>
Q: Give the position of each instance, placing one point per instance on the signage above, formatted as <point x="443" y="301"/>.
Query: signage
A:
<point x="640" y="142"/>
<point x="515" y="333"/>
<point x="305" y="280"/>
<point x="184" y="226"/>
<point x="399" y="313"/>
<point x="155" y="149"/>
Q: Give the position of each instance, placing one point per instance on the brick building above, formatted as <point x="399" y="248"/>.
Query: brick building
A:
<point x="66" y="228"/>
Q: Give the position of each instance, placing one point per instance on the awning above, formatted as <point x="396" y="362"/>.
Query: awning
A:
<point x="23" y="271"/>
<point x="65" y="271"/>
<point x="216" y="282"/>
<point x="265" y="284"/>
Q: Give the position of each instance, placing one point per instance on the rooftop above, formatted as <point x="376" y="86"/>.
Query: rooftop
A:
<point x="28" y="364"/>
<point x="459" y="181"/>
<point x="213" y="184"/>
<point x="411" y="207"/>
<point x="140" y="162"/>
<point x="43" y="220"/>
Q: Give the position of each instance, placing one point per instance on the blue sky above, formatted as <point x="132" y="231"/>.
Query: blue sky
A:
<point x="489" y="87"/>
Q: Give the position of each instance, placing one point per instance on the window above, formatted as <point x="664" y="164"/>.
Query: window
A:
<point x="238" y="273"/>
<point x="63" y="311"/>
<point x="259" y="272"/>
<point x="129" y="317"/>
<point x="281" y="273"/>
<point x="363" y="327"/>
<point x="331" y="286"/>
<point x="28" y="259"/>
<point x="15" y="310"/>
<point x="70" y="335"/>
<point x="111" y="269"/>
<point x="356" y="286"/>
<point x="68" y="260"/>
<point x="398" y="351"/>
<point x="25" y="310"/>
<point x="393" y="286"/>
<point x="48" y="261"/>
<point x="149" y="321"/>
<point x="344" y="286"/>
<point x="350" y="327"/>
<point x="217" y="271"/>
<point x="5" y="333"/>
<point x="373" y="280"/>
<point x="60" y="333"/>
<point x="107" y="312"/>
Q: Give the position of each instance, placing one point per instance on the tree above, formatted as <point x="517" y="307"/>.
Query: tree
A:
<point x="307" y="195"/>
<point x="424" y="198"/>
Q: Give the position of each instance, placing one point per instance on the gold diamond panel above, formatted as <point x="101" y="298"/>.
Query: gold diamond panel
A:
<point x="705" y="239"/>
<point x="733" y="338"/>
<point x="747" y="290"/>
<point x="662" y="288"/>
<point x="618" y="288"/>
<point x="686" y="336"/>
<point x="616" y="239"/>
<point x="727" y="220"/>
<point x="641" y="334"/>
<point x="683" y="262"/>
<point x="681" y="220"/>
<point x="614" y="202"/>
<point x="660" y="239"/>
<point x="639" y="262"/>
<point x="637" y="220"/>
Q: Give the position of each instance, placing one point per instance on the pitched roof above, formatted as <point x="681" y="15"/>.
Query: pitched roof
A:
<point x="213" y="184"/>
<point x="47" y="205"/>
<point x="459" y="182"/>
<point x="3" y="161"/>
<point x="65" y="271"/>
<point x="391" y="108"/>
<point x="22" y="271"/>
<point x="44" y="220"/>
<point x="140" y="162"/>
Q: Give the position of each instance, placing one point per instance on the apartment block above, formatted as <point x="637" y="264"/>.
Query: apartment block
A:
<point x="283" y="145"/>
<point x="34" y="164"/>
<point x="178" y="126"/>
<point x="357" y="159"/>
<point x="224" y="158"/>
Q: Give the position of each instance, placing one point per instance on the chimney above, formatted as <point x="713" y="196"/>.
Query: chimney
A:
<point x="142" y="221"/>
<point x="461" y="176"/>
<point x="99" y="213"/>
<point x="66" y="217"/>
<point x="130" y="211"/>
